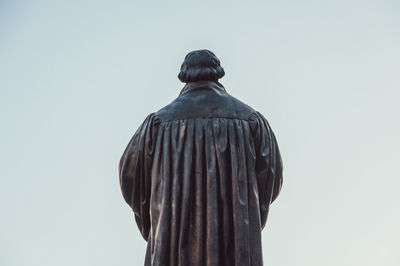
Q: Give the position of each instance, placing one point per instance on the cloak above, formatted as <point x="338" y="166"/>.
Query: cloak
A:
<point x="200" y="175"/>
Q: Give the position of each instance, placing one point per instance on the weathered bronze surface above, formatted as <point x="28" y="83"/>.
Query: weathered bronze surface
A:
<point x="201" y="173"/>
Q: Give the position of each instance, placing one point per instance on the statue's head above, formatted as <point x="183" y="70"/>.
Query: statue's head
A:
<point x="201" y="65"/>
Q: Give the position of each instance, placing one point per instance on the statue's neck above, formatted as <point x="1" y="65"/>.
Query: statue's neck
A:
<point x="202" y="84"/>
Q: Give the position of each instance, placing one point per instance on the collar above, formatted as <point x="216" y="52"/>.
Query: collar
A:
<point x="203" y="84"/>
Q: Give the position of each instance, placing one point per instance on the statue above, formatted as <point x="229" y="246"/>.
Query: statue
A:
<point x="201" y="173"/>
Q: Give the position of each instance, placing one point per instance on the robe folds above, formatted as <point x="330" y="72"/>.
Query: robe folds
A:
<point x="200" y="175"/>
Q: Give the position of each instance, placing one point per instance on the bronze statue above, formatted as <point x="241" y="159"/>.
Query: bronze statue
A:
<point x="201" y="173"/>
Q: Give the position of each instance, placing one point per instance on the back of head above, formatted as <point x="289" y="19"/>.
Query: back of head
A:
<point x="201" y="65"/>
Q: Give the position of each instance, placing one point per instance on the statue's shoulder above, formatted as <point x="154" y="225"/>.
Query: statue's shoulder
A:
<point x="205" y="103"/>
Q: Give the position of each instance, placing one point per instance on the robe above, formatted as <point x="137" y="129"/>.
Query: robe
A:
<point x="200" y="175"/>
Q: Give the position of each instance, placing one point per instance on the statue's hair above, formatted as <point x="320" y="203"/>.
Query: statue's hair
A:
<point x="200" y="65"/>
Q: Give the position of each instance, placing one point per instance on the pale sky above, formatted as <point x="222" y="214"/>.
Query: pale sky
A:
<point x="77" y="78"/>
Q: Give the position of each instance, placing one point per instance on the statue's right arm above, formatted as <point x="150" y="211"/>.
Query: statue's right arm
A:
<point x="268" y="164"/>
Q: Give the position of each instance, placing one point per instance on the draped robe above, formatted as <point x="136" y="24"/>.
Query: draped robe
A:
<point x="200" y="175"/>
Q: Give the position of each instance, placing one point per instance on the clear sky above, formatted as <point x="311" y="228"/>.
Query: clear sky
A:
<point x="78" y="77"/>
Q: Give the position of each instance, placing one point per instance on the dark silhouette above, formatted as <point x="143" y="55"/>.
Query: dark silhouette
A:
<point x="201" y="173"/>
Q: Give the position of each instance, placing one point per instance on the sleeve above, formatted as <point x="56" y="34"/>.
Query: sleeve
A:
<point x="135" y="172"/>
<point x="268" y="164"/>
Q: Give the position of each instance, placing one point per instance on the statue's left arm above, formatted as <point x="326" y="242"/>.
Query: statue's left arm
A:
<point x="135" y="172"/>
